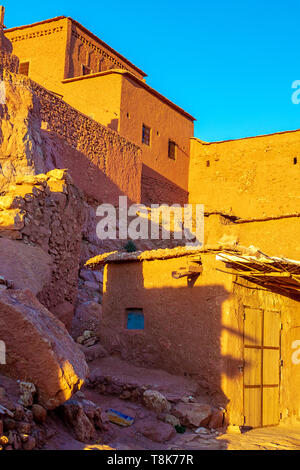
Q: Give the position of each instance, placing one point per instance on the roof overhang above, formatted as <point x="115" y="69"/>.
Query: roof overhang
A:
<point x="275" y="273"/>
<point x="86" y="31"/>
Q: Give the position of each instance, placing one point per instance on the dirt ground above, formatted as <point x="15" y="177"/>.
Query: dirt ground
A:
<point x="283" y="437"/>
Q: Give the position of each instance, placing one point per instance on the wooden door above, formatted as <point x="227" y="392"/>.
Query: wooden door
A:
<point x="261" y="367"/>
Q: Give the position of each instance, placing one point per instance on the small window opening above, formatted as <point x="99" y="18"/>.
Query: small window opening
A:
<point x="86" y="70"/>
<point x="146" y="135"/>
<point x="172" y="149"/>
<point x="295" y="160"/>
<point x="135" y="319"/>
<point x="24" y="68"/>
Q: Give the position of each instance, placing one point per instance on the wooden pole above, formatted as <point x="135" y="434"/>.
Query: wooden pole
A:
<point x="2" y="12"/>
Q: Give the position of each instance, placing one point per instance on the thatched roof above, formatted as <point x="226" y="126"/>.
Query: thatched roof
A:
<point x="120" y="256"/>
<point x="282" y="274"/>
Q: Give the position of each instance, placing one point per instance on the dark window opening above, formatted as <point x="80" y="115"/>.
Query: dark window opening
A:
<point x="295" y="161"/>
<point x="86" y="70"/>
<point x="135" y="319"/>
<point x="101" y="65"/>
<point x="172" y="149"/>
<point x="146" y="135"/>
<point x="24" y="68"/>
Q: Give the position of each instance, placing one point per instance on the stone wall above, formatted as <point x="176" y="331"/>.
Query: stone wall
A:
<point x="8" y="62"/>
<point x="101" y="162"/>
<point x="46" y="211"/>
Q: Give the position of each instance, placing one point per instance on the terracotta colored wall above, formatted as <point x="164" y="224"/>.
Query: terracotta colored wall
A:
<point x="103" y="164"/>
<point x="182" y="324"/>
<point x="195" y="330"/>
<point x="275" y="237"/>
<point x="44" y="46"/>
<point x="254" y="177"/>
<point x="157" y="189"/>
<point x="98" y="97"/>
<point x="165" y="123"/>
<point x="119" y="103"/>
<point x="83" y="49"/>
<point x="57" y="49"/>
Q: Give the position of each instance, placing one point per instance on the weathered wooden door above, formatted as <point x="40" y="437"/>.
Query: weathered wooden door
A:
<point x="261" y="367"/>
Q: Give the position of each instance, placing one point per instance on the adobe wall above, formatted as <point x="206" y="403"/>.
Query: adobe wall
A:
<point x="44" y="46"/>
<point x="249" y="178"/>
<point x="57" y="49"/>
<point x="97" y="96"/>
<point x="39" y="132"/>
<point x="117" y="158"/>
<point x="156" y="189"/>
<point x="138" y="107"/>
<point x="125" y="106"/>
<point x="273" y="236"/>
<point x="195" y="330"/>
<point x="182" y="324"/>
<point x="84" y="49"/>
<point x="103" y="164"/>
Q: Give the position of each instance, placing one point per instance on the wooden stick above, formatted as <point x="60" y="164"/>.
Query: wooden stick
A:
<point x="4" y="411"/>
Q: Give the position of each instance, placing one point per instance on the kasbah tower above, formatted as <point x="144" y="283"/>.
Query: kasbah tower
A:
<point x="63" y="56"/>
<point x="225" y="316"/>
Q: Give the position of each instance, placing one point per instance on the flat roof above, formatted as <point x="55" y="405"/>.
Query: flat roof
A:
<point x="93" y="36"/>
<point x="159" y="254"/>
<point x="137" y="80"/>
<point x="150" y="255"/>
<point x="203" y="142"/>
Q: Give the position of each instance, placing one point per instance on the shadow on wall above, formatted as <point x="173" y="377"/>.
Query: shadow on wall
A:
<point x="114" y="124"/>
<point x="156" y="189"/>
<point x="88" y="176"/>
<point x="182" y="326"/>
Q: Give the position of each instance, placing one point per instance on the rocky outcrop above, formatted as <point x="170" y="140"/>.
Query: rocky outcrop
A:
<point x="83" y="418"/>
<point x="155" y="430"/>
<point x="87" y="317"/>
<point x="8" y="61"/>
<point x="193" y="414"/>
<point x="20" y="151"/>
<point x="155" y="401"/>
<point x="39" y="348"/>
<point x="27" y="266"/>
<point x="44" y="214"/>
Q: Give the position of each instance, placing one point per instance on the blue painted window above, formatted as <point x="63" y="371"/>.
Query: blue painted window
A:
<point x="135" y="319"/>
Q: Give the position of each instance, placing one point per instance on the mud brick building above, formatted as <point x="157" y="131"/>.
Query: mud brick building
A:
<point x="226" y="317"/>
<point x="67" y="59"/>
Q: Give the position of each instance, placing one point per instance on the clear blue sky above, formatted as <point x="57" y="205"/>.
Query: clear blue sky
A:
<point x="229" y="63"/>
